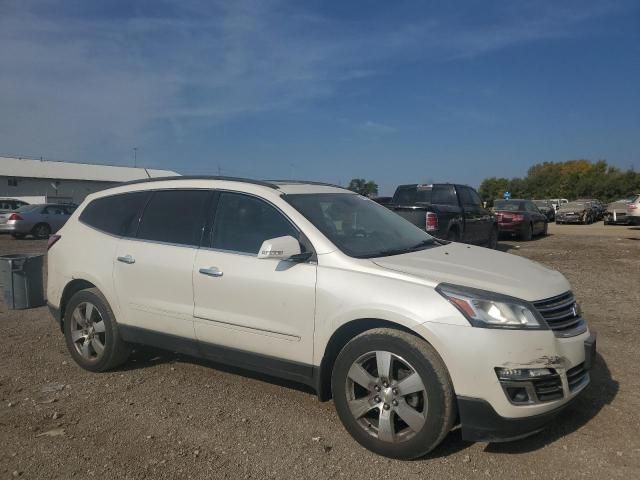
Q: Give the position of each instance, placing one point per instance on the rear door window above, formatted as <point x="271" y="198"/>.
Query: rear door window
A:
<point x="175" y="216"/>
<point x="243" y="222"/>
<point x="116" y="214"/>
<point x="444" y="195"/>
<point x="469" y="197"/>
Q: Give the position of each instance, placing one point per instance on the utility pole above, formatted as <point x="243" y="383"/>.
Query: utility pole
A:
<point x="135" y="157"/>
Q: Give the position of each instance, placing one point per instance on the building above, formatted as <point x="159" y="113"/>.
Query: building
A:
<point x="39" y="181"/>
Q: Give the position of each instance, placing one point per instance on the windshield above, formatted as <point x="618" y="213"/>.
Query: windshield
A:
<point x="358" y="226"/>
<point x="507" y="205"/>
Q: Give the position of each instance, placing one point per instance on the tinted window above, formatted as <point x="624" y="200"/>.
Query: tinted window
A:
<point x="174" y="216"/>
<point x="444" y="195"/>
<point x="412" y="194"/>
<point x="508" y="205"/>
<point x="469" y="197"/>
<point x="117" y="214"/>
<point x="242" y="223"/>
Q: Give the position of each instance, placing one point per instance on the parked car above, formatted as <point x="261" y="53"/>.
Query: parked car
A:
<point x="597" y="207"/>
<point x="633" y="211"/>
<point x="447" y="211"/>
<point x="382" y="200"/>
<point x="37" y="220"/>
<point x="520" y="218"/>
<point x="558" y="202"/>
<point x="10" y="204"/>
<point x="546" y="207"/>
<point x="617" y="211"/>
<point x="410" y="335"/>
<point x="575" y="212"/>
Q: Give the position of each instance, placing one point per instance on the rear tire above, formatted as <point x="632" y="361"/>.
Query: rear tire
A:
<point x="91" y="332"/>
<point x="545" y="232"/>
<point x="492" y="243"/>
<point x="453" y="236"/>
<point x="410" y="424"/>
<point x="528" y="233"/>
<point x="41" y="231"/>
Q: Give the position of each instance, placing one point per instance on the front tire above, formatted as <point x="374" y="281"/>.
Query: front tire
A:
<point x="91" y="332"/>
<point x="393" y="393"/>
<point x="492" y="243"/>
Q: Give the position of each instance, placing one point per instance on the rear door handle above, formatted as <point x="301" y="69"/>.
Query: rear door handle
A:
<point x="211" y="272"/>
<point x="128" y="259"/>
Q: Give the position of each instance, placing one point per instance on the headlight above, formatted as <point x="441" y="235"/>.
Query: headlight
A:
<point x="491" y="310"/>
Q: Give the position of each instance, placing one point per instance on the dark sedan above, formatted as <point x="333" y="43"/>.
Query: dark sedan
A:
<point x="520" y="217"/>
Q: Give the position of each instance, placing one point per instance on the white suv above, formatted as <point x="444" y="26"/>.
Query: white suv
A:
<point x="410" y="335"/>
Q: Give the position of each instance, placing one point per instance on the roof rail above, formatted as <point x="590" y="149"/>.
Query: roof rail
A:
<point x="304" y="182"/>
<point x="201" y="177"/>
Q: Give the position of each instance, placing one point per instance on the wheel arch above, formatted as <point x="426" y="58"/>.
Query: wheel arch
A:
<point x="339" y="339"/>
<point x="70" y="289"/>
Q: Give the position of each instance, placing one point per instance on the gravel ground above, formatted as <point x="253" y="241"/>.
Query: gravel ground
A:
<point x="168" y="416"/>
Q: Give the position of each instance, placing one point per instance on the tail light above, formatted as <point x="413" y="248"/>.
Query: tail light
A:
<point x="15" y="216"/>
<point x="431" y="222"/>
<point x="510" y="217"/>
<point x="52" y="240"/>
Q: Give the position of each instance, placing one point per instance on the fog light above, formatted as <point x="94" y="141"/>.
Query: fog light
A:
<point x="518" y="394"/>
<point x="520" y="374"/>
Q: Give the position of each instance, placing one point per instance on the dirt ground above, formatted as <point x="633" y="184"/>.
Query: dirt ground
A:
<point x="168" y="416"/>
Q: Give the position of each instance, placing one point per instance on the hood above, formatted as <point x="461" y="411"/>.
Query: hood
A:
<point x="573" y="207"/>
<point x="482" y="268"/>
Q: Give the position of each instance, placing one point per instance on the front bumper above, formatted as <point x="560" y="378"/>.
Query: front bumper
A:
<point x="480" y="422"/>
<point x="570" y="218"/>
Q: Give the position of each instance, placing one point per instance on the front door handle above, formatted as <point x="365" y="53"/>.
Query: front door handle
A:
<point x="211" y="272"/>
<point x="128" y="259"/>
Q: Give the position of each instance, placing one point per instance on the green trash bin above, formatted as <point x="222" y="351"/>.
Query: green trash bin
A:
<point x="21" y="278"/>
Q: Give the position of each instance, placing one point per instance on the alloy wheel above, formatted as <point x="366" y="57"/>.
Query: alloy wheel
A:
<point x="88" y="331"/>
<point x="386" y="396"/>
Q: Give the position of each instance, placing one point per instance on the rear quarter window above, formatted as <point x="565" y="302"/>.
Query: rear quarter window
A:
<point x="116" y="214"/>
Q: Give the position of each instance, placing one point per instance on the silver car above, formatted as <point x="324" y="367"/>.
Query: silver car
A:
<point x="37" y="220"/>
<point x="10" y="204"/>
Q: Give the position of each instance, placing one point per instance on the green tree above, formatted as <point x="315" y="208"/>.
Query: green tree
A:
<point x="368" y="188"/>
<point x="571" y="179"/>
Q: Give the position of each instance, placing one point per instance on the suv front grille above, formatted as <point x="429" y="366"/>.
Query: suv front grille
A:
<point x="562" y="315"/>
<point x="576" y="377"/>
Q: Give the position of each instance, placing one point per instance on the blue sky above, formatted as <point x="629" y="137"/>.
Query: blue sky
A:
<point x="397" y="92"/>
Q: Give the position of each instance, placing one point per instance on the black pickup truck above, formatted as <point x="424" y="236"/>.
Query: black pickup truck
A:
<point x="447" y="211"/>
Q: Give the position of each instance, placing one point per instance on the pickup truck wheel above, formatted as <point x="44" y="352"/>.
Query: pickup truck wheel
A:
<point x="91" y="332"/>
<point x="492" y="243"/>
<point x="393" y="393"/>
<point x="452" y="235"/>
<point x="528" y="233"/>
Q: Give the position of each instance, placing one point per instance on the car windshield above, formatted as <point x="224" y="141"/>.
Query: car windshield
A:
<point x="507" y="205"/>
<point x="358" y="226"/>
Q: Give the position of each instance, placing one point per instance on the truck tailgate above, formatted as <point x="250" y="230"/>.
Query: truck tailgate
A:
<point x="415" y="215"/>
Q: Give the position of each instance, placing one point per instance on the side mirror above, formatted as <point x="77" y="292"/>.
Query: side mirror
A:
<point x="281" y="248"/>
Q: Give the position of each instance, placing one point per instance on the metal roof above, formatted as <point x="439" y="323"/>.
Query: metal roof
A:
<point x="29" y="168"/>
